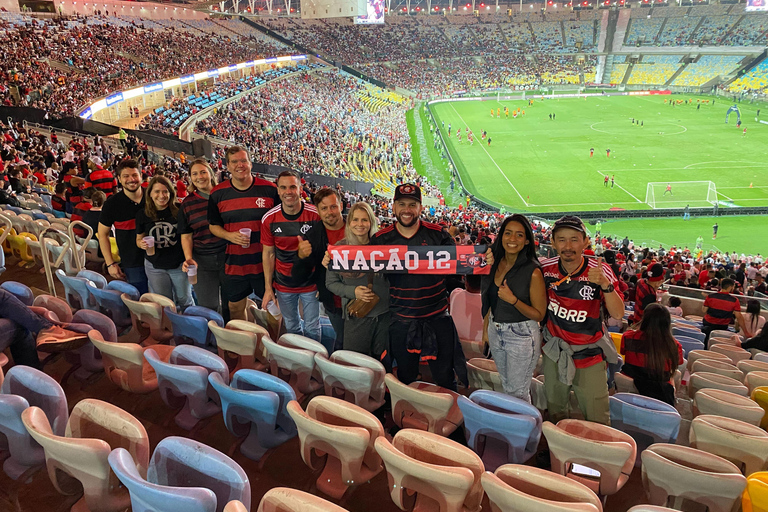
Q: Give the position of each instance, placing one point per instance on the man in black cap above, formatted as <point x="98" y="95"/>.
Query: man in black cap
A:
<point x="576" y="348"/>
<point x="645" y="292"/>
<point x="421" y="329"/>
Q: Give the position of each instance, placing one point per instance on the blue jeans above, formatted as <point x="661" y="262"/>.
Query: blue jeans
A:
<point x="171" y="283"/>
<point x="289" y="307"/>
<point x="138" y="278"/>
<point x="686" y="216"/>
<point x="515" y="348"/>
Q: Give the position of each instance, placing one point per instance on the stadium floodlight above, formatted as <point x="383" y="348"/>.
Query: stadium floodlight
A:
<point x="679" y="194"/>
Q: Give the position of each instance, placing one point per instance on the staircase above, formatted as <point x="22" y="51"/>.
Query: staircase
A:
<point x="627" y="74"/>
<point x="661" y="30"/>
<point x="614" y="35"/>
<point x="562" y="33"/>
<point x="605" y="77"/>
<point x="692" y="37"/>
<point x="64" y="68"/>
<point x="675" y="75"/>
<point x="533" y="35"/>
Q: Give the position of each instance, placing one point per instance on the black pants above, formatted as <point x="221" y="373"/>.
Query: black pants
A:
<point x="707" y="329"/>
<point x="408" y="363"/>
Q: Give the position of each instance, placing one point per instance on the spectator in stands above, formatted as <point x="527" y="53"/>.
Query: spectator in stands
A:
<point x="283" y="228"/>
<point x="237" y="204"/>
<point x="120" y="210"/>
<point x="159" y="219"/>
<point x="59" y="198"/>
<point x="759" y="341"/>
<point x="645" y="291"/>
<point x="651" y="354"/>
<point x="674" y="306"/>
<point x="721" y="308"/>
<point x="752" y="317"/>
<point x="201" y="247"/>
<point x="421" y="329"/>
<point x="514" y="302"/>
<point x="312" y="248"/>
<point x="23" y="347"/>
<point x="370" y="334"/>
<point x="73" y="181"/>
<point x="92" y="216"/>
<point x="577" y="289"/>
<point x="100" y="178"/>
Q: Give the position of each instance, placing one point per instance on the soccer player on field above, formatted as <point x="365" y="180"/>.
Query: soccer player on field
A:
<point x="577" y="288"/>
<point x="498" y="112"/>
<point x="506" y="112"/>
<point x="669" y="189"/>
<point x="491" y="113"/>
<point x="608" y="153"/>
<point x="605" y="181"/>
<point x="591" y="152"/>
<point x="489" y="142"/>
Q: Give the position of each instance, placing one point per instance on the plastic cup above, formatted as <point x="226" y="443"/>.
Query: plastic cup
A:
<point x="192" y="274"/>
<point x="273" y="309"/>
<point x="150" y="241"/>
<point x="246" y="232"/>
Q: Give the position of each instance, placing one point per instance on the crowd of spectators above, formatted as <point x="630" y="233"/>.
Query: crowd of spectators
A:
<point x="95" y="58"/>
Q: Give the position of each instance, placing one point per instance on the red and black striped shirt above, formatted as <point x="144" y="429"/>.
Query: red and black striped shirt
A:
<point x="574" y="305"/>
<point x="282" y="231"/>
<point x="59" y="203"/>
<point x="235" y="209"/>
<point x="721" y="307"/>
<point x="644" y="296"/>
<point x="416" y="296"/>
<point x="77" y="214"/>
<point x="74" y="194"/>
<point x="103" y="180"/>
<point x="193" y="219"/>
<point x="634" y="347"/>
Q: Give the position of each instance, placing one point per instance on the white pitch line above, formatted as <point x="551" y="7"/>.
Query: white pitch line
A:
<point x="584" y="204"/>
<point x="740" y="188"/>
<point x="625" y="190"/>
<point x="492" y="160"/>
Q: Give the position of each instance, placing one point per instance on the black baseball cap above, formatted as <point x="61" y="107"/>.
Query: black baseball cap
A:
<point x="408" y="191"/>
<point x="655" y="272"/>
<point x="569" y="221"/>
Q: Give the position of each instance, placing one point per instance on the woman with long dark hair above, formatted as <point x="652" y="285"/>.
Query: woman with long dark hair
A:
<point x="753" y="320"/>
<point x="514" y="302"/>
<point x="163" y="259"/>
<point x="652" y="354"/>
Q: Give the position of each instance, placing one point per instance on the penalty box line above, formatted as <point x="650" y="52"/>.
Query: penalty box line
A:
<point x="622" y="188"/>
<point x="492" y="160"/>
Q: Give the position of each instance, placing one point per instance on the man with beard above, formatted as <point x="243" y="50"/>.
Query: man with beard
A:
<point x="576" y="348"/>
<point x="312" y="248"/>
<point x="421" y="329"/>
<point x="120" y="210"/>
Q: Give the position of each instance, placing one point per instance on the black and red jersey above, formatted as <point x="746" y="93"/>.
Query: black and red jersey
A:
<point x="644" y="296"/>
<point x="282" y="231"/>
<point x="416" y="296"/>
<point x="102" y="180"/>
<point x="634" y="347"/>
<point x="74" y="194"/>
<point x="721" y="307"/>
<point x="574" y="310"/>
<point x="58" y="203"/>
<point x="120" y="211"/>
<point x="77" y="214"/>
<point x="193" y="219"/>
<point x="234" y="209"/>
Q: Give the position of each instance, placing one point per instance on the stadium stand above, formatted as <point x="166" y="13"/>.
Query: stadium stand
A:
<point x="706" y="68"/>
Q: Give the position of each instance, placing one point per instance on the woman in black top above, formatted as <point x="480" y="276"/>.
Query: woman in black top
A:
<point x="514" y="302"/>
<point x="158" y="219"/>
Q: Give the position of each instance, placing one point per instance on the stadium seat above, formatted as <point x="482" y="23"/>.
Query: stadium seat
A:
<point x="183" y="382"/>
<point x="681" y="473"/>
<point x="76" y="291"/>
<point x="434" y="469"/>
<point x="728" y="405"/>
<point x="695" y="355"/>
<point x="87" y="360"/>
<point x="423" y="406"/>
<point x="84" y="458"/>
<point x="283" y="499"/>
<point x="22" y="388"/>
<point x="110" y="303"/>
<point x="702" y="380"/>
<point x="340" y="437"/>
<point x="646" y="419"/>
<point x="466" y="308"/>
<point x="751" y="365"/>
<point x="56" y="305"/>
<point x="718" y="367"/>
<point x="735" y="354"/>
<point x="755" y="498"/>
<point x="354" y="377"/>
<point x="254" y="408"/>
<point x="500" y="428"/>
<point x="148" y="320"/>
<point x="598" y="447"/>
<point x="482" y="374"/>
<point x="191" y="327"/>
<point x="756" y="379"/>
<point x="235" y="506"/>
<point x="741" y="443"/>
<point x="180" y="471"/>
<point x="20" y="290"/>
<point x="520" y="488"/>
<point x="125" y="365"/>
<point x="689" y="344"/>
<point x="295" y="365"/>
<point x="240" y="345"/>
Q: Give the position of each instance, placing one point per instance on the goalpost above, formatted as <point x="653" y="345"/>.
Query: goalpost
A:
<point x="679" y="194"/>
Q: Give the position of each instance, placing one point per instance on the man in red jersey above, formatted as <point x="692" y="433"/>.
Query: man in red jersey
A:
<point x="421" y="329"/>
<point x="235" y="204"/>
<point x="576" y="347"/>
<point x="720" y="309"/>
<point x="645" y="292"/>
<point x="283" y="229"/>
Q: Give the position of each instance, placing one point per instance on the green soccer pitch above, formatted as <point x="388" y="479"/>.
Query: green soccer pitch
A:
<point x="537" y="164"/>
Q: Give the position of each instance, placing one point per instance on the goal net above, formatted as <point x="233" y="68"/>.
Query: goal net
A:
<point x="679" y="194"/>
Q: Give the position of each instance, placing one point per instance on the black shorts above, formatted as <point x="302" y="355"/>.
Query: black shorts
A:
<point x="240" y="287"/>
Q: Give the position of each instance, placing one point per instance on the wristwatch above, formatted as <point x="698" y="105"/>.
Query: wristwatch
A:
<point x="610" y="289"/>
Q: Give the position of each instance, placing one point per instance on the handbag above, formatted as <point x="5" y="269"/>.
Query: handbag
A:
<point x="359" y="308"/>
